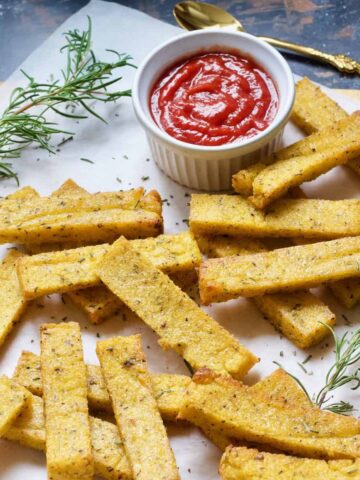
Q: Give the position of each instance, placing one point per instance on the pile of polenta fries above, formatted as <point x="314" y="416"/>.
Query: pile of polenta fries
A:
<point x="107" y="250"/>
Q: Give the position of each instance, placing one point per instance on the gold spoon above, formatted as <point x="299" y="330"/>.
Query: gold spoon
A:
<point x="198" y="15"/>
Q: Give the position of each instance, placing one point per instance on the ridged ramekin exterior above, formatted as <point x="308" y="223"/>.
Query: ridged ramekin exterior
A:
<point x="210" y="174"/>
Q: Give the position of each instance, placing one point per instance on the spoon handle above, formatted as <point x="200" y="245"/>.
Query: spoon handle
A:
<point x="342" y="62"/>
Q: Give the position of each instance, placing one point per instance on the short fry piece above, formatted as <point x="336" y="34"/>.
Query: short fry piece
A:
<point x="168" y="389"/>
<point x="68" y="440"/>
<point x="94" y="218"/>
<point x="67" y="270"/>
<point x="14" y="398"/>
<point x="276" y="179"/>
<point x="12" y="301"/>
<point x="285" y="269"/>
<point x="300" y="316"/>
<point x="241" y="463"/>
<point x="313" y="110"/>
<point x="288" y="217"/>
<point x="251" y="416"/>
<point x="179" y="322"/>
<point x="109" y="456"/>
<point x="129" y="384"/>
<point x="347" y="291"/>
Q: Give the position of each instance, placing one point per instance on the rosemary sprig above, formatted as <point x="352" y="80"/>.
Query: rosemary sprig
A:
<point x="85" y="79"/>
<point x="347" y="354"/>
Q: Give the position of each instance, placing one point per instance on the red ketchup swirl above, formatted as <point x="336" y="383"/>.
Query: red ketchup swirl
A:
<point x="214" y="99"/>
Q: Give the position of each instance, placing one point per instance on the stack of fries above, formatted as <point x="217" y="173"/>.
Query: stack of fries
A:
<point x="107" y="251"/>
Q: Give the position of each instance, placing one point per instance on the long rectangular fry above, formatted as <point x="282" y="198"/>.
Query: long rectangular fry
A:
<point x="13" y="399"/>
<point x="110" y="460"/>
<point x="288" y="217"/>
<point x="12" y="300"/>
<point x="68" y="270"/>
<point x="276" y="179"/>
<point x="315" y="111"/>
<point x="347" y="291"/>
<point x="301" y="316"/>
<point x="284" y="269"/>
<point x="168" y="388"/>
<point x="179" y="322"/>
<point x="236" y="411"/>
<point x="63" y="372"/>
<point x="129" y="384"/>
<point x="241" y="463"/>
<point x="94" y="218"/>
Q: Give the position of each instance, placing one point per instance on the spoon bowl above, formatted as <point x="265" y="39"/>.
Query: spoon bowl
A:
<point x="195" y="16"/>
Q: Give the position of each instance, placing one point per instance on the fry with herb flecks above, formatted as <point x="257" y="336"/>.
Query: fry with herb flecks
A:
<point x="241" y="463"/>
<point x="141" y="428"/>
<point x="95" y="218"/>
<point x="236" y="411"/>
<point x="171" y="313"/>
<point x="63" y="372"/>
<point x="168" y="388"/>
<point x="301" y="316"/>
<point x="12" y="300"/>
<point x="110" y="460"/>
<point x="13" y="399"/>
<point x="281" y="270"/>
<point x="289" y="217"/>
<point x="68" y="270"/>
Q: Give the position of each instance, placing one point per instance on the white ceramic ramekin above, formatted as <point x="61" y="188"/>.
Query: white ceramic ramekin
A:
<point x="204" y="167"/>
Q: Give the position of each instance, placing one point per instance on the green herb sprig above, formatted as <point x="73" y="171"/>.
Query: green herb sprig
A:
<point x="85" y="79"/>
<point x="347" y="354"/>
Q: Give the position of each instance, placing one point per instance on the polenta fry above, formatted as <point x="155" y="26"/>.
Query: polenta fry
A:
<point x="168" y="389"/>
<point x="179" y="322"/>
<point x="12" y="300"/>
<point x="301" y="316"/>
<point x="14" y="399"/>
<point x="276" y="179"/>
<point x="314" y="111"/>
<point x="94" y="218"/>
<point x="288" y="217"/>
<point x="284" y="269"/>
<point x="110" y="460"/>
<point x="241" y="463"/>
<point x="68" y="270"/>
<point x="67" y="423"/>
<point x="250" y="416"/>
<point x="129" y="384"/>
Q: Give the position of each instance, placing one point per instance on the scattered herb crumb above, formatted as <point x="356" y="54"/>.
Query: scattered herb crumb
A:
<point x="86" y="160"/>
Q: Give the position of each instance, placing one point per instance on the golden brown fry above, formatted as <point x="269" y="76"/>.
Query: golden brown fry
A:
<point x="241" y="463"/>
<point x="168" y="389"/>
<point x="314" y="111"/>
<point x="179" y="322"/>
<point x="91" y="218"/>
<point x="69" y="270"/>
<point x="301" y="316"/>
<point x="12" y="301"/>
<point x="248" y="415"/>
<point x="347" y="291"/>
<point x="288" y="217"/>
<point x="14" y="399"/>
<point x="67" y="423"/>
<point x="276" y="179"/>
<point x="285" y="269"/>
<point x="110" y="460"/>
<point x="129" y="384"/>
<point x="223" y="246"/>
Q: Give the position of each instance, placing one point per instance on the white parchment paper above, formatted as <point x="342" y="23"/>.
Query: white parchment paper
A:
<point x="120" y="154"/>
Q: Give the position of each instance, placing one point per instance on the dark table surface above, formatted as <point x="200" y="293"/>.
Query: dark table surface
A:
<point x="330" y="25"/>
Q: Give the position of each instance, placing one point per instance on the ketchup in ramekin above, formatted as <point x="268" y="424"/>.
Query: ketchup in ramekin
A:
<point x="214" y="99"/>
